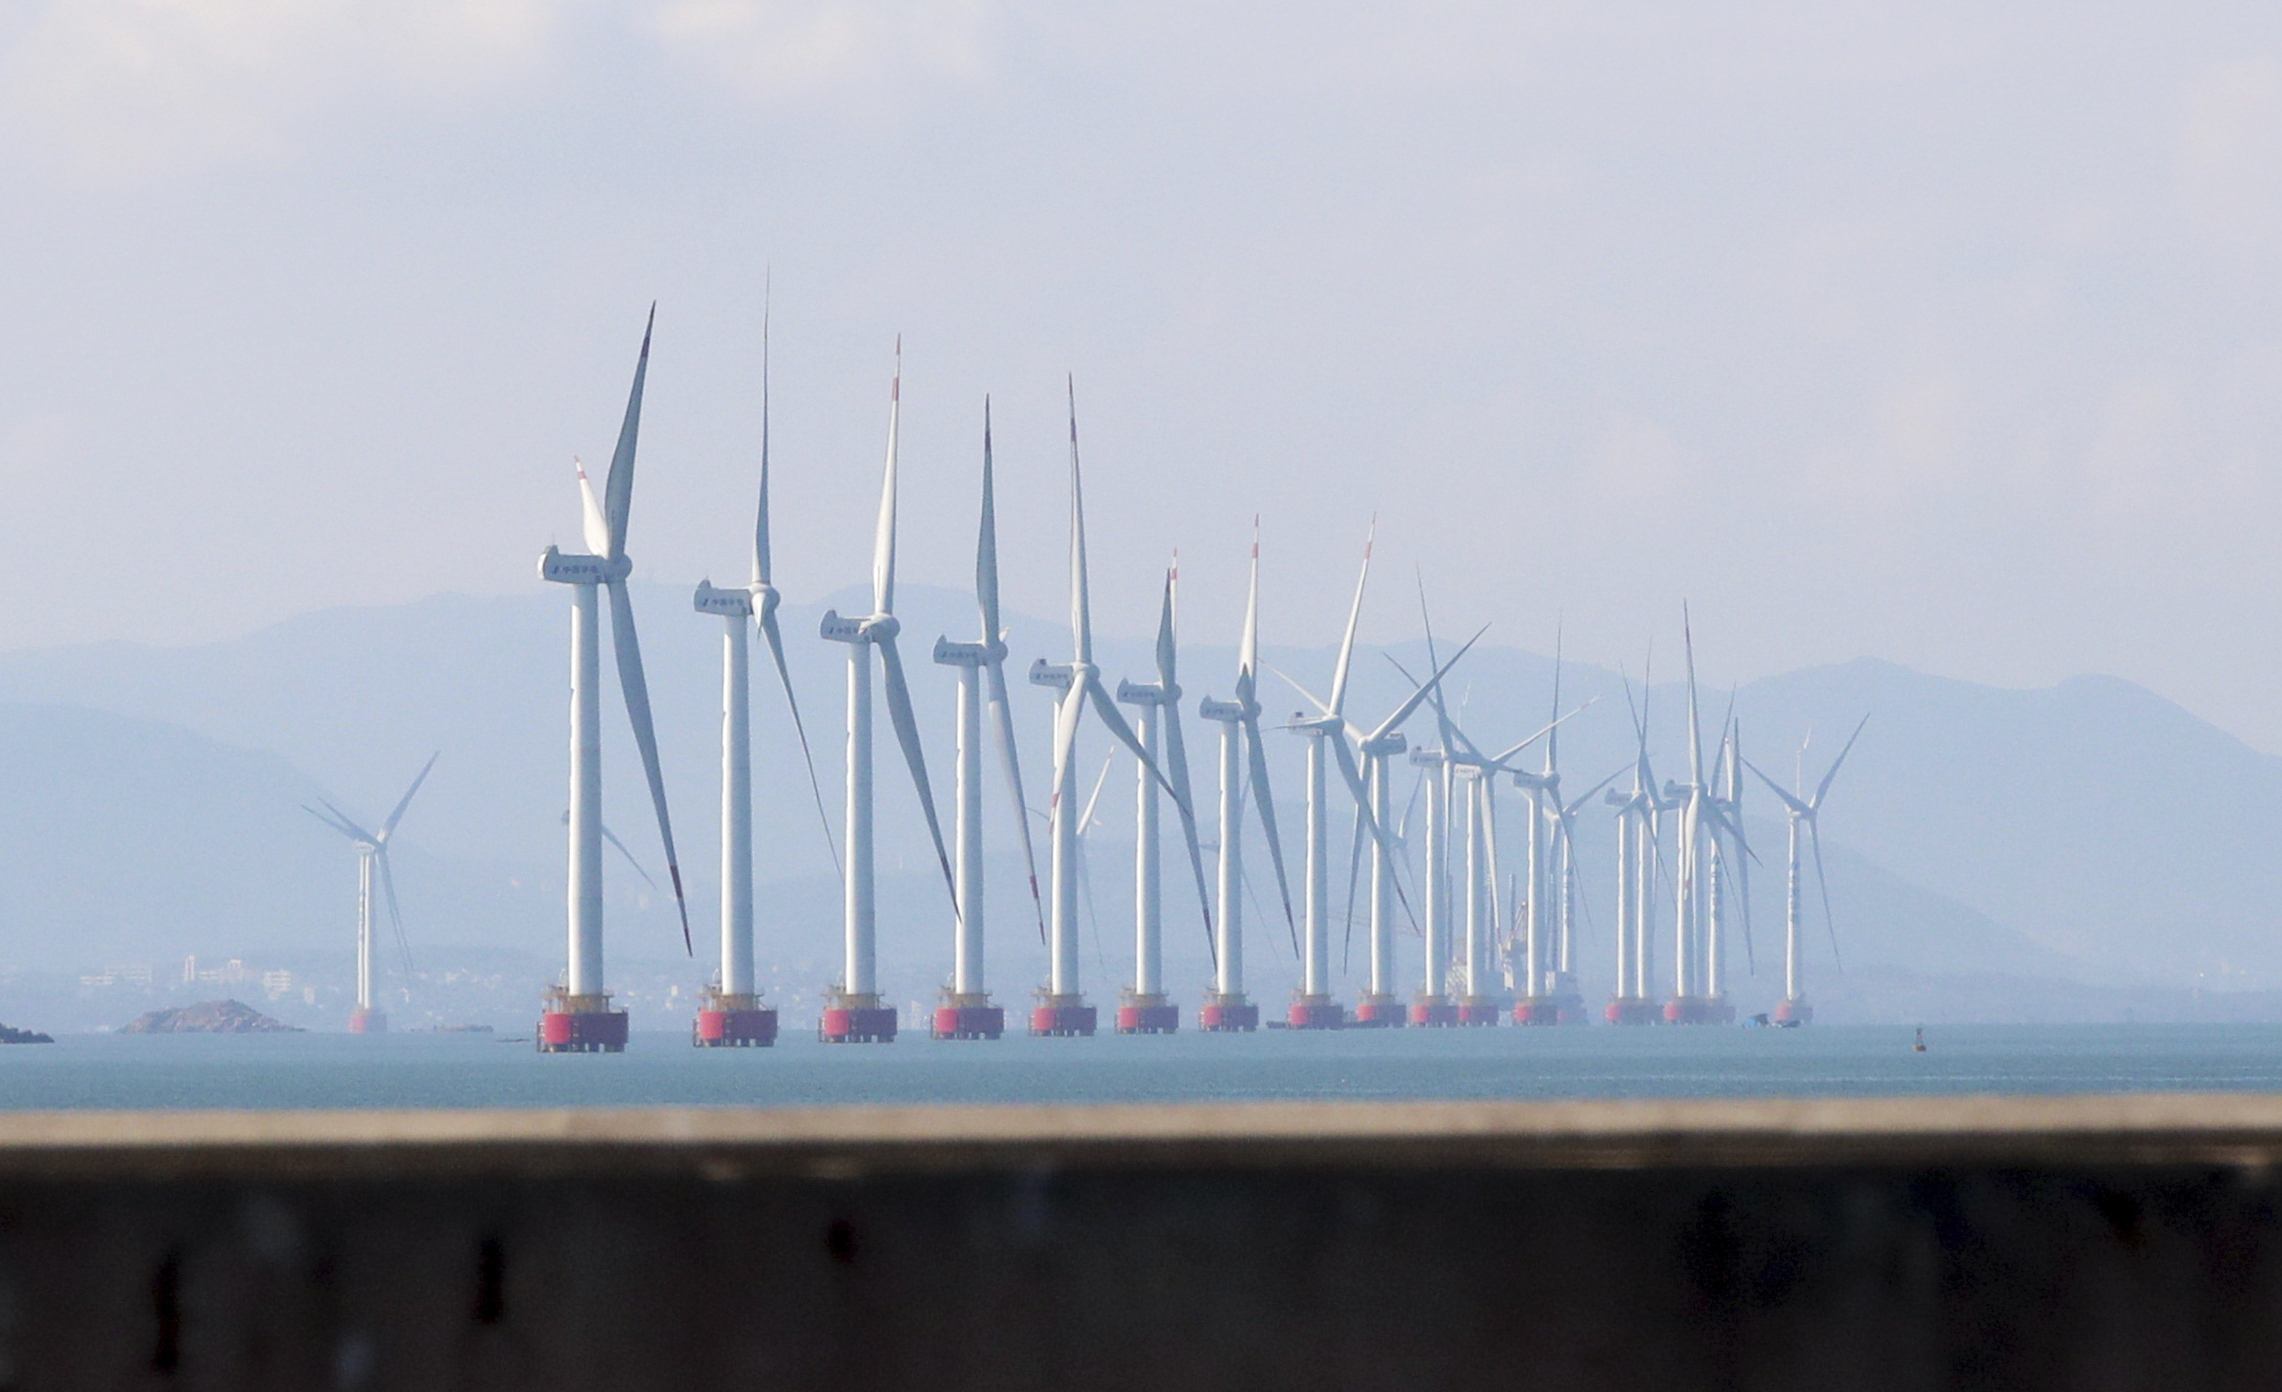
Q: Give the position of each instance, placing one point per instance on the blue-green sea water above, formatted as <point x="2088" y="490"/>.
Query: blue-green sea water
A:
<point x="409" y="1070"/>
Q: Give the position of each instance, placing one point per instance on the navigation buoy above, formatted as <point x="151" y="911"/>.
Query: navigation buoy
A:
<point x="1919" y="1046"/>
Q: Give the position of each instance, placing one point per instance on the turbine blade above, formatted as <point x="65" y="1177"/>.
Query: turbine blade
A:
<point x="1248" y="648"/>
<point x="1257" y="759"/>
<point x="1354" y="877"/>
<point x="1113" y="720"/>
<point x="906" y="723"/>
<point x="1695" y="725"/>
<point x="1826" y="778"/>
<point x="1002" y="726"/>
<point x="1403" y="711"/>
<point x="986" y="545"/>
<point x="1081" y="605"/>
<point x="618" y="487"/>
<point x="774" y="633"/>
<point x="631" y="859"/>
<point x="337" y="822"/>
<point x="628" y="650"/>
<point x="597" y="530"/>
<point x="1500" y="760"/>
<point x="883" y="539"/>
<point x="1177" y="768"/>
<point x="1321" y="705"/>
<point x="395" y="914"/>
<point x="1354" y="617"/>
<point x="1778" y="790"/>
<point x="761" y="520"/>
<point x="1822" y="881"/>
<point x="388" y="828"/>
<point x="1093" y="799"/>
<point x="1168" y="651"/>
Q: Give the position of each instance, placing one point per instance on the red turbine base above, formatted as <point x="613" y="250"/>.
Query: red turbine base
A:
<point x="363" y="1021"/>
<point x="582" y="1032"/>
<point x="1537" y="1010"/>
<point x="969" y="1022"/>
<point x="1316" y="1013"/>
<point x="1064" y="1018"/>
<point x="1698" y="1010"/>
<point x="1633" y="1010"/>
<point x="857" y="1020"/>
<point x="1227" y="1015"/>
<point x="1377" y="1012"/>
<point x="1478" y="1010"/>
<point x="1572" y="1010"/>
<point x="1790" y="1014"/>
<point x="1148" y="1015"/>
<point x="748" y="1027"/>
<point x="1434" y="1012"/>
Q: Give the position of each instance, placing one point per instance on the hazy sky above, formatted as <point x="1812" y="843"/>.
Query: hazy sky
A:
<point x="1942" y="332"/>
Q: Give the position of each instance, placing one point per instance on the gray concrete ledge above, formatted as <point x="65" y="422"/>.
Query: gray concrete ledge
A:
<point x="2242" y="1130"/>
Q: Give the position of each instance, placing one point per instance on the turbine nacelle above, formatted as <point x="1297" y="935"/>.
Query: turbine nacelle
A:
<point x="1148" y="694"/>
<point x="573" y="568"/>
<point x="1429" y="758"/>
<point x="1058" y="675"/>
<point x="952" y="654"/>
<point x="1227" y="712"/>
<point x="1388" y="744"/>
<point x="736" y="603"/>
<point x="866" y="628"/>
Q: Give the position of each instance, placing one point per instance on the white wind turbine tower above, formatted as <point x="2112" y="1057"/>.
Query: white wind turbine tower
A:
<point x="853" y="1012"/>
<point x="1226" y="1009"/>
<point x="1144" y="1008"/>
<point x="372" y="852"/>
<point x="578" y="1017"/>
<point x="1805" y="812"/>
<point x="731" y="1013"/>
<point x="966" y="1011"/>
<point x="1061" y="1009"/>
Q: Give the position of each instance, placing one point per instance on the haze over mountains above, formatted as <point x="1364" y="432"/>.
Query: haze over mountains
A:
<point x="2090" y="832"/>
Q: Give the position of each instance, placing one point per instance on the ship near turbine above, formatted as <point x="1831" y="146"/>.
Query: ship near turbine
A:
<point x="1486" y="915"/>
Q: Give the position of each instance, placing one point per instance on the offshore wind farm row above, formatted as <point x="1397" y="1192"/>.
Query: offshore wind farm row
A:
<point x="1498" y="927"/>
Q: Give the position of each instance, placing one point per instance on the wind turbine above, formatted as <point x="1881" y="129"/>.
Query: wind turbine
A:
<point x="578" y="1017"/>
<point x="1226" y="1008"/>
<point x="1805" y="812"/>
<point x="1061" y="1009"/>
<point x="965" y="1011"/>
<point x="730" y="1013"/>
<point x="1693" y="1002"/>
<point x="372" y="852"/>
<point x="1144" y="1009"/>
<point x="853" y="1012"/>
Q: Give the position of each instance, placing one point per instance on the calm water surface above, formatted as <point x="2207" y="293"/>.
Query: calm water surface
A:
<point x="405" y="1070"/>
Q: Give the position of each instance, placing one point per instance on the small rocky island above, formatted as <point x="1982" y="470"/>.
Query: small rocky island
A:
<point x="208" y="1017"/>
<point x="11" y="1035"/>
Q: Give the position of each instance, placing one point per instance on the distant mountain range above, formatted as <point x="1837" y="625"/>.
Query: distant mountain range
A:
<point x="2088" y="833"/>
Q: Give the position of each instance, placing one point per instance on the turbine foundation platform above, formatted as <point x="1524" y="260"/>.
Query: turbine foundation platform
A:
<point x="1227" y="1015"/>
<point x="733" y="1022"/>
<point x="1537" y="1010"/>
<point x="1063" y="1017"/>
<point x="1633" y="1010"/>
<point x="1794" y="1012"/>
<point x="581" y="1025"/>
<point x="1378" y="1012"/>
<point x="1479" y="1010"/>
<point x="1151" y="1014"/>
<point x="856" y="1019"/>
<point x="1572" y="1010"/>
<point x="969" y="1017"/>
<point x="363" y="1021"/>
<point x="1698" y="1010"/>
<point x="1434" y="1012"/>
<point x="1316" y="1013"/>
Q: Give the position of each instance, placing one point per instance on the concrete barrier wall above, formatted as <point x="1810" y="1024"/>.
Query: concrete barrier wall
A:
<point x="2109" y="1243"/>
